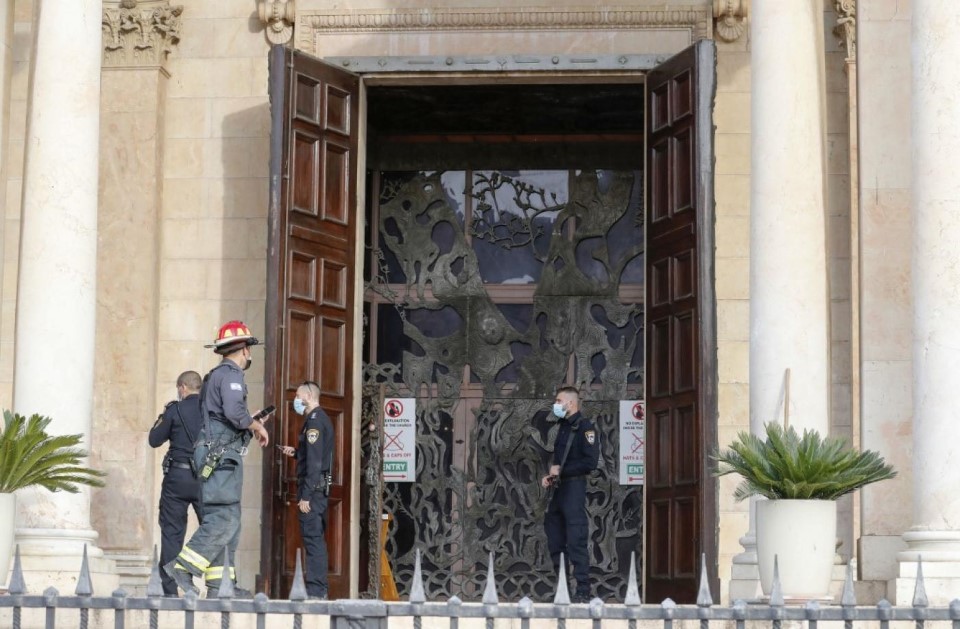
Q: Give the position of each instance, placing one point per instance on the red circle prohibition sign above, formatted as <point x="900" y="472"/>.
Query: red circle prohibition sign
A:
<point x="393" y="409"/>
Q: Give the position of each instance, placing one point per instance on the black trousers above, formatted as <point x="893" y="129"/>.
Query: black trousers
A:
<point x="567" y="529"/>
<point x="313" y="526"/>
<point x="180" y="490"/>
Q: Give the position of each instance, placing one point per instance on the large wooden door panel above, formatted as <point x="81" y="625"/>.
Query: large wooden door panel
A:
<point x="681" y="339"/>
<point x="310" y="310"/>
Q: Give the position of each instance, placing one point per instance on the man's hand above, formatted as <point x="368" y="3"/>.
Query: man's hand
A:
<point x="287" y="450"/>
<point x="304" y="506"/>
<point x="554" y="470"/>
<point x="548" y="480"/>
<point x="260" y="433"/>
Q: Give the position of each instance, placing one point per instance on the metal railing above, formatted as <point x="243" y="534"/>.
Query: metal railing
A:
<point x="374" y="614"/>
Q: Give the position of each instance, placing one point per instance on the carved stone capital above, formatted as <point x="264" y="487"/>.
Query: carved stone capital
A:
<point x="278" y="16"/>
<point x="730" y="17"/>
<point x="139" y="32"/>
<point x="846" y="28"/>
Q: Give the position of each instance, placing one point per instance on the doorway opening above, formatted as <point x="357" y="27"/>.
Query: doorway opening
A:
<point x="506" y="253"/>
<point x="505" y="259"/>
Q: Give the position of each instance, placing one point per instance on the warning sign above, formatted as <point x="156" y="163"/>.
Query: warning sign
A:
<point x="399" y="439"/>
<point x="632" y="446"/>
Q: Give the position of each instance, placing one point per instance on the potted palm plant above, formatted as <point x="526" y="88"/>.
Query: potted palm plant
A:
<point x="30" y="457"/>
<point x="800" y="477"/>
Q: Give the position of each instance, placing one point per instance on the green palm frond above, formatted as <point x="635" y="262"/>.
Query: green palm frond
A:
<point x="29" y="456"/>
<point x="790" y="466"/>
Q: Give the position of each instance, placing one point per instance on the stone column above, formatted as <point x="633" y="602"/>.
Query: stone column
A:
<point x="788" y="276"/>
<point x="935" y="534"/>
<point x="56" y="284"/>
<point x="137" y="38"/>
<point x="6" y="70"/>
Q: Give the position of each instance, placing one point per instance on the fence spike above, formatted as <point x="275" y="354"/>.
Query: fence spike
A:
<point x="84" y="586"/>
<point x="154" y="584"/>
<point x="704" y="598"/>
<point x="417" y="593"/>
<point x="17" y="584"/>
<point x="490" y="591"/>
<point x="525" y="607"/>
<point x="739" y="609"/>
<point x="298" y="589"/>
<point x="50" y="596"/>
<point x="596" y="608"/>
<point x="633" y="592"/>
<point x="848" y="598"/>
<point x="563" y="594"/>
<point x="226" y="589"/>
<point x="954" y="608"/>
<point x="190" y="599"/>
<point x="669" y="608"/>
<point x="884" y="609"/>
<point x="920" y="591"/>
<point x="776" y="590"/>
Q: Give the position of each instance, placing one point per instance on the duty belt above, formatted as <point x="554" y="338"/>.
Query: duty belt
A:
<point x="179" y="465"/>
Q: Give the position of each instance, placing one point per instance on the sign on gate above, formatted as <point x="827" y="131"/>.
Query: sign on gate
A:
<point x="400" y="439"/>
<point x="632" y="446"/>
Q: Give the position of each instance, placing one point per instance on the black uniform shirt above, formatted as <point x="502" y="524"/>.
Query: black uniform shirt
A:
<point x="584" y="451"/>
<point x="225" y="396"/>
<point x="181" y="434"/>
<point x="314" y="453"/>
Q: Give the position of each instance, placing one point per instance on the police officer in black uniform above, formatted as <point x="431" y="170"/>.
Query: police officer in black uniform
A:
<point x="227" y="429"/>
<point x="180" y="425"/>
<point x="314" y="454"/>
<point x="575" y="455"/>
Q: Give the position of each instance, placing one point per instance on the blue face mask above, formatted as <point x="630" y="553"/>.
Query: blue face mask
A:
<point x="299" y="406"/>
<point x="559" y="411"/>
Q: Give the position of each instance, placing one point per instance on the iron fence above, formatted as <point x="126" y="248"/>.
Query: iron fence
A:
<point x="137" y="611"/>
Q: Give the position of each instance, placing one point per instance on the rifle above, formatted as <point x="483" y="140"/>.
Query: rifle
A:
<point x="552" y="487"/>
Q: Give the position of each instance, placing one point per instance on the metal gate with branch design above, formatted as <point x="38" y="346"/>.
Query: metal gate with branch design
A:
<point x="487" y="291"/>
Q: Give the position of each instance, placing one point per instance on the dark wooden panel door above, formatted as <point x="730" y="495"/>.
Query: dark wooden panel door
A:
<point x="311" y="303"/>
<point x="680" y="333"/>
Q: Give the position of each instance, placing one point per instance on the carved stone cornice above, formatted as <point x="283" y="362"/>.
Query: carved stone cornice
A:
<point x="731" y="18"/>
<point x="314" y="23"/>
<point x="139" y="32"/>
<point x="846" y="28"/>
<point x="278" y="16"/>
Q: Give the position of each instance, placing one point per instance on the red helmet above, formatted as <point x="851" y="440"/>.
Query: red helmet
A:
<point x="232" y="336"/>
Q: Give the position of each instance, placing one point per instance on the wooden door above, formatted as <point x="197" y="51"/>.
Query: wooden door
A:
<point x="311" y="303"/>
<point x="680" y="496"/>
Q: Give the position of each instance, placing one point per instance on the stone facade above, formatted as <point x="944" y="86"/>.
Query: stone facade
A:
<point x="183" y="157"/>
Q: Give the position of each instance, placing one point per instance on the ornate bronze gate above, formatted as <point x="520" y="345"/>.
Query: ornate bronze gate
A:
<point x="487" y="291"/>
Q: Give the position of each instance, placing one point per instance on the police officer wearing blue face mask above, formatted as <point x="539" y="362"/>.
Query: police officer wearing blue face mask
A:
<point x="575" y="455"/>
<point x="314" y="454"/>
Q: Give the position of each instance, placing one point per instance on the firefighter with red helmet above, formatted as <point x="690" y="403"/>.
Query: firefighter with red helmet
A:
<point x="227" y="429"/>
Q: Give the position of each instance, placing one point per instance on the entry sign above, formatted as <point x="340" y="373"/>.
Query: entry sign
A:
<point x="400" y="439"/>
<point x="632" y="446"/>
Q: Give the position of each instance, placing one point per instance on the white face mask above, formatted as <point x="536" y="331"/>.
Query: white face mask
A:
<point x="558" y="410"/>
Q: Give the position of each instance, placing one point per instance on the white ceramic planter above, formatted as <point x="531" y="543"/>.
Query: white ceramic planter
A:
<point x="8" y="516"/>
<point x="802" y="534"/>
